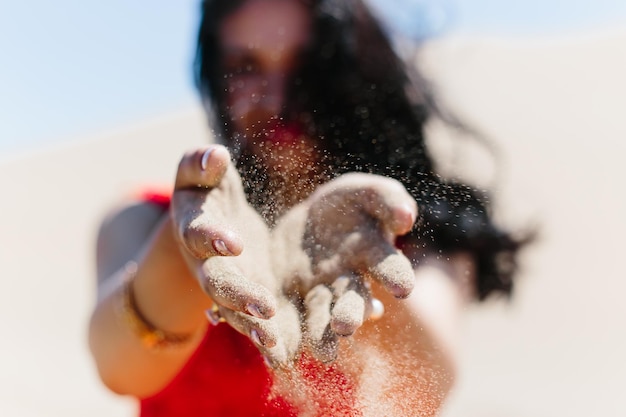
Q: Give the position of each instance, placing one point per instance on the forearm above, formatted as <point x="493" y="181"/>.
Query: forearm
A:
<point x="170" y="298"/>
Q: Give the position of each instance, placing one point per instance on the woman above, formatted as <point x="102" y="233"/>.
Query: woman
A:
<point x="289" y="247"/>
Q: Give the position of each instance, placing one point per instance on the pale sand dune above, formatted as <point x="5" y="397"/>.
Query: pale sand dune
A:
<point x="51" y="206"/>
<point x="554" y="110"/>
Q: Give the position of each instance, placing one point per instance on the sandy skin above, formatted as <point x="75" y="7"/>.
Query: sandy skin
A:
<point x="330" y="243"/>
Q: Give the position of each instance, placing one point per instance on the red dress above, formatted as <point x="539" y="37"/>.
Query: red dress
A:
<point x="227" y="376"/>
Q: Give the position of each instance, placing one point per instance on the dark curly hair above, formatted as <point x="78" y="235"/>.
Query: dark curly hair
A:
<point x="368" y="110"/>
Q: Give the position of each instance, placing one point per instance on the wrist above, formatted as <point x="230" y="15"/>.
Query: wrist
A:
<point x="165" y="291"/>
<point x="150" y="335"/>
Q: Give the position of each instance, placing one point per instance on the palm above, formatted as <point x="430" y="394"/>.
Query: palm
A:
<point x="341" y="235"/>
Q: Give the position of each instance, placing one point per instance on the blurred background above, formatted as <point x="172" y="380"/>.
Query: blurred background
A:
<point x="71" y="68"/>
<point x="96" y="97"/>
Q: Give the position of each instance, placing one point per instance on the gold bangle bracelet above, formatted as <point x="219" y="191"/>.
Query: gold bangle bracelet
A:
<point x="150" y="336"/>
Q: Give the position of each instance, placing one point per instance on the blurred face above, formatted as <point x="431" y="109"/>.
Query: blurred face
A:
<point x="262" y="44"/>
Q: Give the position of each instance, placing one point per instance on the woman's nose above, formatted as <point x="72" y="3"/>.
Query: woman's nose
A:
<point x="273" y="96"/>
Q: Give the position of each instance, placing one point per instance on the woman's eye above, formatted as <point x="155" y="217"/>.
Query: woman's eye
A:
<point x="240" y="67"/>
<point x="249" y="69"/>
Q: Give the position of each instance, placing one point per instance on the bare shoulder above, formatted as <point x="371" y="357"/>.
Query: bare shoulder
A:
<point x="122" y="234"/>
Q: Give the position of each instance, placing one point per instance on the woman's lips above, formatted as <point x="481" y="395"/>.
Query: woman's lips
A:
<point x="281" y="134"/>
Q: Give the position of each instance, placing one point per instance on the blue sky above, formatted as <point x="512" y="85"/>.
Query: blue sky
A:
<point x="70" y="68"/>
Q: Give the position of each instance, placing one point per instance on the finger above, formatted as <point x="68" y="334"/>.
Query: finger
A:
<point x="400" y="208"/>
<point x="387" y="265"/>
<point x="278" y="339"/>
<point x="352" y="305"/>
<point x="287" y="320"/>
<point x="367" y="252"/>
<point x="320" y="338"/>
<point x="382" y="198"/>
<point x="201" y="235"/>
<point x="263" y="333"/>
<point x="203" y="167"/>
<point x="386" y="200"/>
<point x="206" y="179"/>
<point x="227" y="286"/>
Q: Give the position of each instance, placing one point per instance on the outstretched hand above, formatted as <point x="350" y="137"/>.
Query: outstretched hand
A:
<point x="327" y="249"/>
<point x="322" y="254"/>
<point x="226" y="244"/>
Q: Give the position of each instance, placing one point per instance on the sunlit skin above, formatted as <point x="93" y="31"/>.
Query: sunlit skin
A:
<point x="262" y="45"/>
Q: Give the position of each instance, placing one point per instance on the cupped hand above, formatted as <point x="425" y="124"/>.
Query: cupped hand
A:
<point x="212" y="220"/>
<point x="328" y="248"/>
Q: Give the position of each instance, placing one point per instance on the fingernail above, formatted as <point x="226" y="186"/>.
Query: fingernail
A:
<point x="411" y="210"/>
<point x="221" y="248"/>
<point x="204" y="162"/>
<point x="341" y="283"/>
<point x="213" y="315"/>
<point x="343" y="280"/>
<point x="253" y="310"/>
<point x="267" y="362"/>
<point x="254" y="335"/>
<point x="378" y="309"/>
